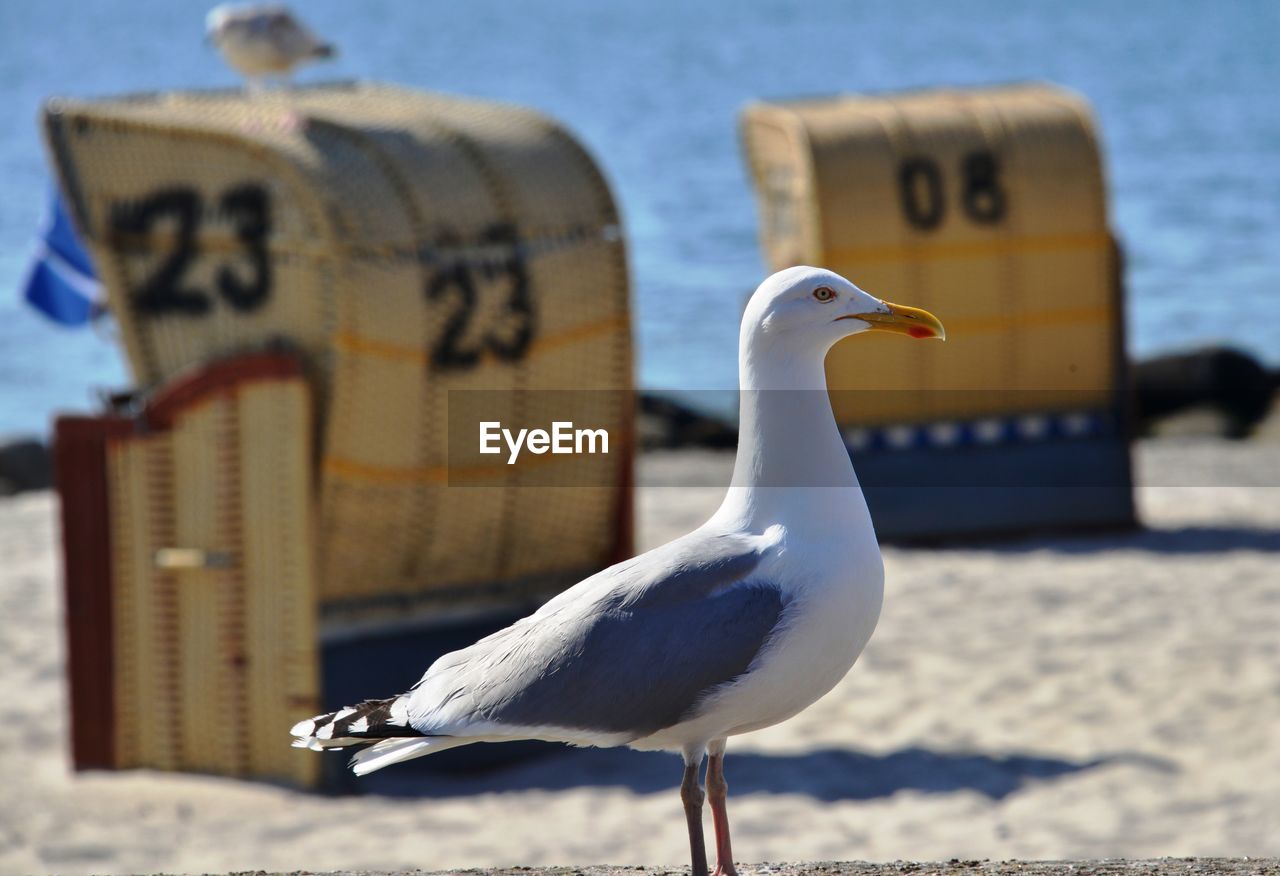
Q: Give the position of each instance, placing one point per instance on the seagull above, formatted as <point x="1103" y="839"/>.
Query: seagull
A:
<point x="261" y="41"/>
<point x="736" y="626"/>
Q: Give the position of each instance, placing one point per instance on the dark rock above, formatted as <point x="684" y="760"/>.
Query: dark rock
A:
<point x="664" y="423"/>
<point x="1227" y="381"/>
<point x="25" y="465"/>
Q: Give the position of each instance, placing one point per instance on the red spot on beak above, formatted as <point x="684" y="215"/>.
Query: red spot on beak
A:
<point x="919" y="331"/>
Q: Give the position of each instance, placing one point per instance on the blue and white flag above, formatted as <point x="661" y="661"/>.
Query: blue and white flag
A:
<point x="62" y="284"/>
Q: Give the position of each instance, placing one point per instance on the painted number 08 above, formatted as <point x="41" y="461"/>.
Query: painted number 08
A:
<point x="921" y="191"/>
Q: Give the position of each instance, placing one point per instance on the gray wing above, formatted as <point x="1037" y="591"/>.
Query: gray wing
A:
<point x="285" y="31"/>
<point x="631" y="650"/>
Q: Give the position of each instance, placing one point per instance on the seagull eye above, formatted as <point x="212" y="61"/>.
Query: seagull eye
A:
<point x="824" y="293"/>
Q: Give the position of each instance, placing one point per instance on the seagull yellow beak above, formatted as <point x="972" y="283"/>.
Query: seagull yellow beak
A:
<point x="904" y="320"/>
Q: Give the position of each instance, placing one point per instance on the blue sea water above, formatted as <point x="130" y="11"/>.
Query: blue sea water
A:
<point x="1187" y="93"/>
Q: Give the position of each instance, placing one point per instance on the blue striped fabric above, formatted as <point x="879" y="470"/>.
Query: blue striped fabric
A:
<point x="62" y="283"/>
<point x="987" y="431"/>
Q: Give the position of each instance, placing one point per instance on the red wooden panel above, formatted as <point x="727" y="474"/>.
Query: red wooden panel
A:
<point x="226" y="376"/>
<point x="80" y="472"/>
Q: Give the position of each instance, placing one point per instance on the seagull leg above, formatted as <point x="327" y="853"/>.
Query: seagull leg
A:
<point x="717" y="792"/>
<point x="692" y="795"/>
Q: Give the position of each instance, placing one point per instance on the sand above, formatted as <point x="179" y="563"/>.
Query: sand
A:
<point x="1158" y="867"/>
<point x="1054" y="698"/>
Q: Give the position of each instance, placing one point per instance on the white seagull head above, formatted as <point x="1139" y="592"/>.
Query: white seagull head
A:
<point x="805" y="311"/>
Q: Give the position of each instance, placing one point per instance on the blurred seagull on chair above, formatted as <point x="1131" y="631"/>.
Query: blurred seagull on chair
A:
<point x="738" y="625"/>
<point x="263" y="41"/>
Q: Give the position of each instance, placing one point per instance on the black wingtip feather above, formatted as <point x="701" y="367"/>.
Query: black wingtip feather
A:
<point x="374" y="718"/>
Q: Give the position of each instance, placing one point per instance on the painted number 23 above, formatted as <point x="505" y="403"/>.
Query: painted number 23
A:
<point x="509" y="338"/>
<point x="166" y="290"/>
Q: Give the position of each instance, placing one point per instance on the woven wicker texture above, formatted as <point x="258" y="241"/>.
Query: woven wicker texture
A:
<point x="410" y="245"/>
<point x="985" y="206"/>
<point x="214" y="595"/>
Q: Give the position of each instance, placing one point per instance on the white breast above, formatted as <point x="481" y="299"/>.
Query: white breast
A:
<point x="834" y="598"/>
<point x="256" y="55"/>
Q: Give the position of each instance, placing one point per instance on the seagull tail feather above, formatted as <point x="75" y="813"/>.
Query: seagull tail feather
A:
<point x="370" y="721"/>
<point x="390" y="751"/>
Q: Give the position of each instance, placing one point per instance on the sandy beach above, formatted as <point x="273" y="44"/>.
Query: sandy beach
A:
<point x="1053" y="697"/>
<point x="953" y="867"/>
